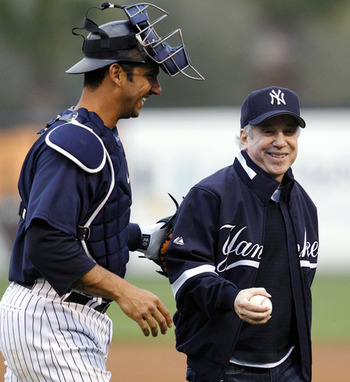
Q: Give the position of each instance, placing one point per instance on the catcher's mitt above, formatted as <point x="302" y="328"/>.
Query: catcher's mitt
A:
<point x="156" y="240"/>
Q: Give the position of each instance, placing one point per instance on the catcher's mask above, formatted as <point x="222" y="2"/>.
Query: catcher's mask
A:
<point x="133" y="40"/>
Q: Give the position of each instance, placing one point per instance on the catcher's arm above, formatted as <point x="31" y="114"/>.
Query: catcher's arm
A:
<point x="153" y="240"/>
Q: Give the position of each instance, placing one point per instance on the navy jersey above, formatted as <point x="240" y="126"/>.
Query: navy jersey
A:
<point x="55" y="189"/>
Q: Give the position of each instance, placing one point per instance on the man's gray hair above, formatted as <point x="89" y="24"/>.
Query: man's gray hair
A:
<point x="248" y="130"/>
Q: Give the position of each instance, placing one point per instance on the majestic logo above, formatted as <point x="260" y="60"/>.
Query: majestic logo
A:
<point x="179" y="241"/>
<point x="279" y="97"/>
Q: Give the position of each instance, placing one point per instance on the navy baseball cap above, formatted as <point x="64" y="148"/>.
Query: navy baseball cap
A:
<point x="268" y="102"/>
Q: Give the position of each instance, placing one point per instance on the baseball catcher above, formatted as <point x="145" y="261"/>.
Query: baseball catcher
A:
<point x="71" y="249"/>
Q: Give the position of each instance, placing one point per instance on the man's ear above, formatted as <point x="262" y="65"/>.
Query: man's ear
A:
<point x="115" y="72"/>
<point x="244" y="139"/>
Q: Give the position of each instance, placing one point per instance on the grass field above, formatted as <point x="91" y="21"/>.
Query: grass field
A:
<point x="331" y="309"/>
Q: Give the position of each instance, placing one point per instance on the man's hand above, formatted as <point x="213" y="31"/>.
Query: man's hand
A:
<point x="145" y="308"/>
<point x="141" y="305"/>
<point x="249" y="312"/>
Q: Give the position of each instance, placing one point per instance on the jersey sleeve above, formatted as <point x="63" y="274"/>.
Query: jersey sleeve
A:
<point x="61" y="193"/>
<point x="61" y="196"/>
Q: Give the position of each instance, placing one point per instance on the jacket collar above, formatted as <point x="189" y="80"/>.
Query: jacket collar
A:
<point x="259" y="181"/>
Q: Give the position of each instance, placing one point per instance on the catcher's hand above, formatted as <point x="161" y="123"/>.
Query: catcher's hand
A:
<point x="156" y="239"/>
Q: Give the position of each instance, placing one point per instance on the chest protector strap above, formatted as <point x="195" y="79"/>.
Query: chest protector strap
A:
<point x="85" y="148"/>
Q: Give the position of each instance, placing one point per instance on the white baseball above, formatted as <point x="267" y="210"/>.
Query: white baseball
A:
<point x="258" y="299"/>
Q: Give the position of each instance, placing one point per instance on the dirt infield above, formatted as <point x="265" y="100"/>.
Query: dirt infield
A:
<point x="142" y="363"/>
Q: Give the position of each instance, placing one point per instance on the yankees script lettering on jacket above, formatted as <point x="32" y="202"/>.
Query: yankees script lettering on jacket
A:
<point x="216" y="250"/>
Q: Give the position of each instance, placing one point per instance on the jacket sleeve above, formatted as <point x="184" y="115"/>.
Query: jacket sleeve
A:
<point x="191" y="256"/>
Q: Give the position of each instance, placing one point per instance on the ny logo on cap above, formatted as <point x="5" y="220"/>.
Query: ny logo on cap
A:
<point x="279" y="97"/>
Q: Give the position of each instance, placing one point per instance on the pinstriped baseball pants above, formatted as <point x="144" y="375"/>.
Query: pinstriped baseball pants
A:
<point x="43" y="338"/>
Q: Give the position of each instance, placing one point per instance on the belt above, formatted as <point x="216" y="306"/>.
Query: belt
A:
<point x="78" y="298"/>
<point x="84" y="300"/>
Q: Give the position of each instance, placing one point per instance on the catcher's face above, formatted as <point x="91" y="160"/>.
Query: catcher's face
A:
<point x="273" y="145"/>
<point x="144" y="83"/>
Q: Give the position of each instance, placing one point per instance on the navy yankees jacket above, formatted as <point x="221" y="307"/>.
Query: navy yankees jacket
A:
<point x="215" y="252"/>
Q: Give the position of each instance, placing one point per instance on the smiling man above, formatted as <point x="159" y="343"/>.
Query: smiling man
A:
<point x="273" y="144"/>
<point x="72" y="245"/>
<point x="242" y="232"/>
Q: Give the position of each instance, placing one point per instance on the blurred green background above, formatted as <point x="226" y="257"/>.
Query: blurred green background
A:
<point x="237" y="45"/>
<point x="331" y="310"/>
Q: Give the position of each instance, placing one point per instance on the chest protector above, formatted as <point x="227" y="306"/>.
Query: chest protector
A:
<point x="104" y="233"/>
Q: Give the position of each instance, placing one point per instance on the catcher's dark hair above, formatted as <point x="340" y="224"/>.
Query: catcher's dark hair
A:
<point x="94" y="78"/>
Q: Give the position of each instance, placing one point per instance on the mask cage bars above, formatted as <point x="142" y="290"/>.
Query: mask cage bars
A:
<point x="173" y="60"/>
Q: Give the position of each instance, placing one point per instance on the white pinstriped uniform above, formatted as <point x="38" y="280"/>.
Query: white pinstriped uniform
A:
<point x="44" y="338"/>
